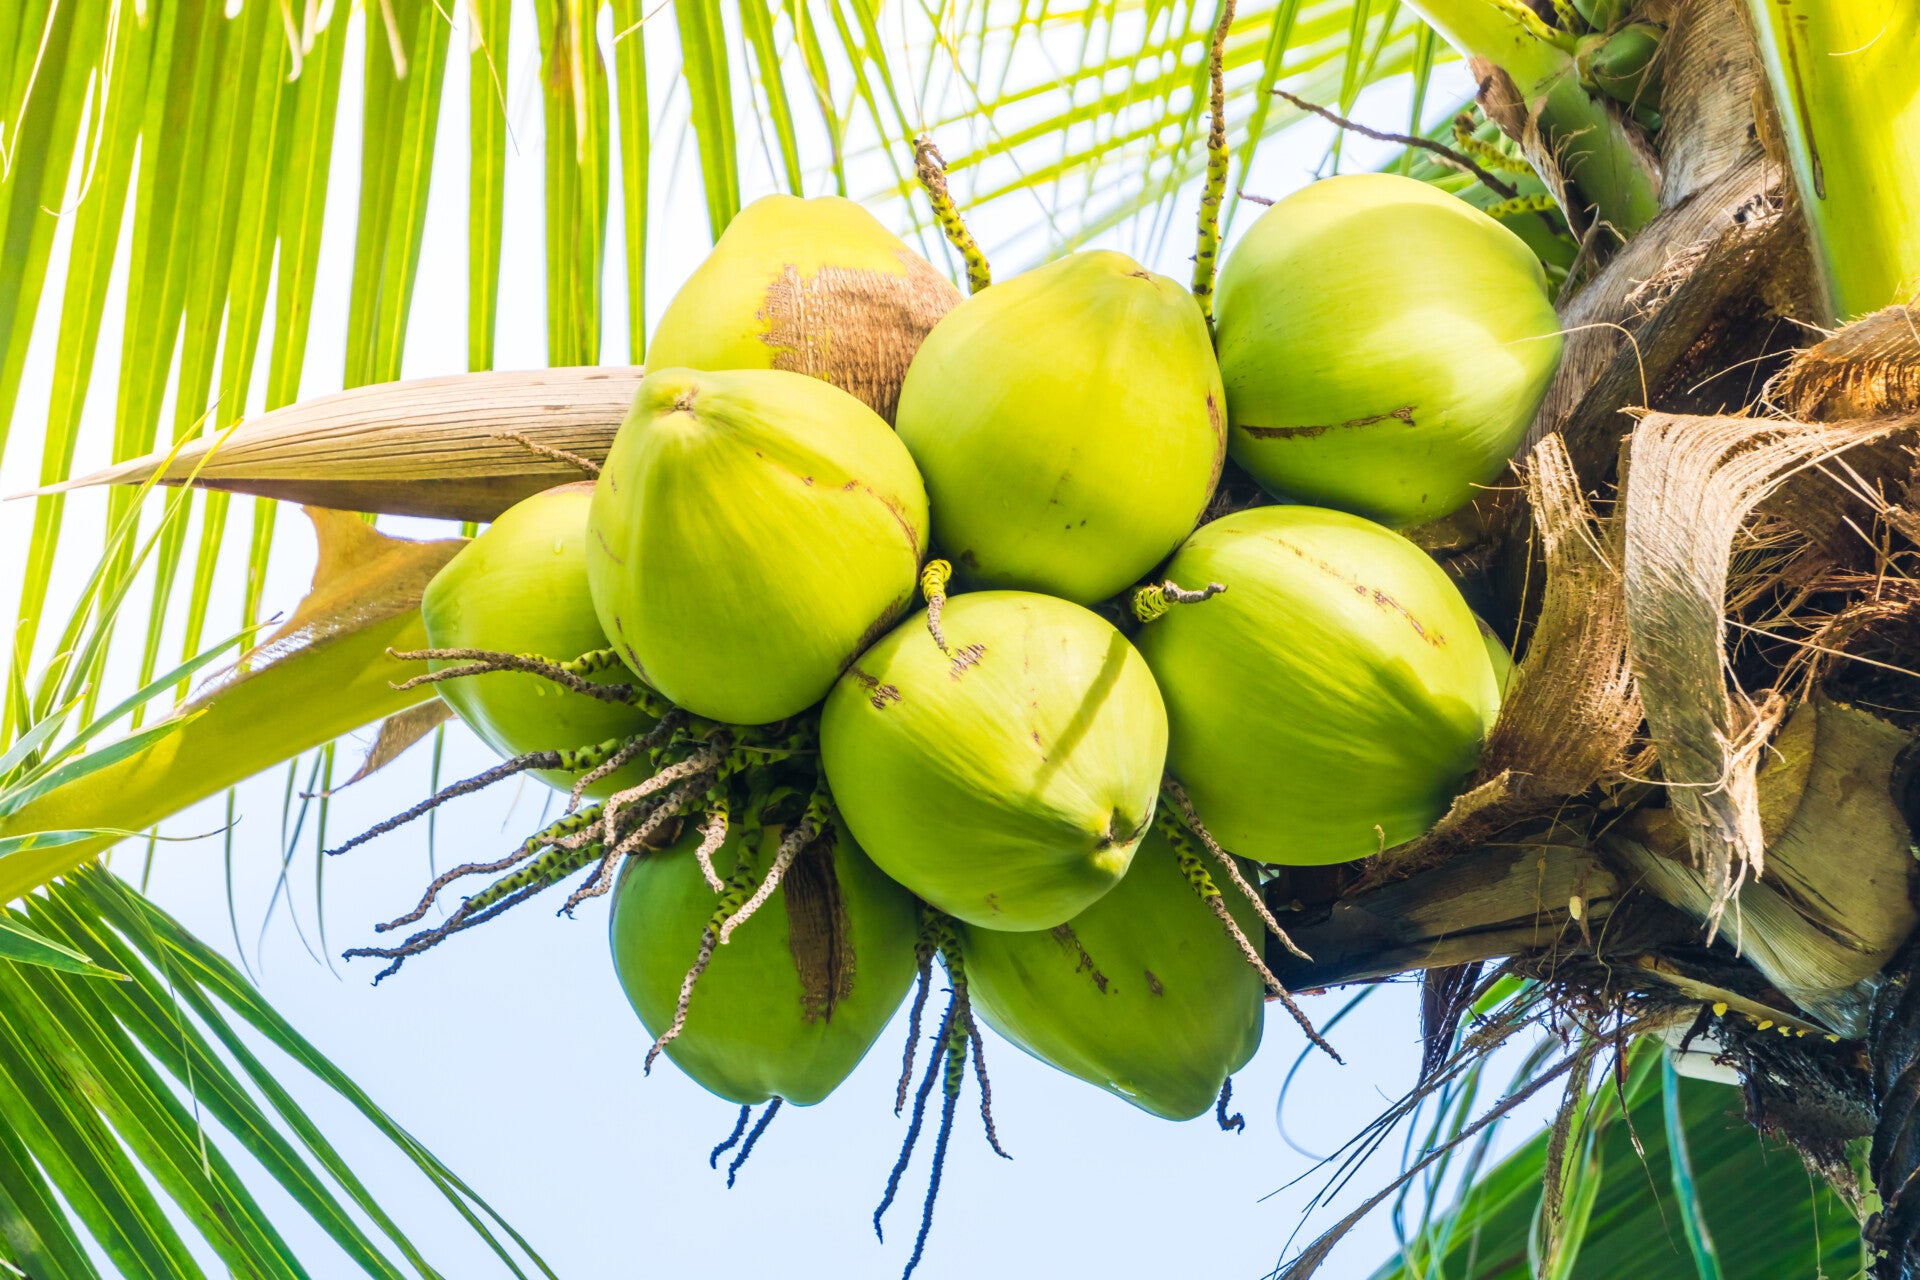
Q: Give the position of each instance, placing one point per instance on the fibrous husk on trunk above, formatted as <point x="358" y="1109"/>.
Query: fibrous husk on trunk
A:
<point x="1691" y="484"/>
<point x="1834" y="904"/>
<point x="1570" y="714"/>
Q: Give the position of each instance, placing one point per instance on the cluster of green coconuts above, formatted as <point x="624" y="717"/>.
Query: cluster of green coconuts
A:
<point x="825" y="412"/>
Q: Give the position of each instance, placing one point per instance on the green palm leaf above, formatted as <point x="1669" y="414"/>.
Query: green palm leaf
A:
<point x="1678" y="1172"/>
<point x="119" y="1094"/>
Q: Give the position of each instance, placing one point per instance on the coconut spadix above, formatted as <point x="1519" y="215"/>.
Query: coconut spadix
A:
<point x="793" y="1001"/>
<point x="1142" y="994"/>
<point x="1070" y="426"/>
<point x="1332" y="701"/>
<point x="1384" y="346"/>
<point x="751" y="532"/>
<point x="521" y="587"/>
<point x="1007" y="778"/>
<point x="810" y="286"/>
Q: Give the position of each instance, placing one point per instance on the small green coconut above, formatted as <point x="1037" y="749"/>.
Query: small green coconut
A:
<point x="752" y="532"/>
<point x="809" y="286"/>
<point x="1008" y="778"/>
<point x="1070" y="425"/>
<point x="1333" y="700"/>
<point x="793" y="1001"/>
<point x="1384" y="347"/>
<point x="1497" y="654"/>
<point x="521" y="587"/>
<point x="1142" y="994"/>
<point x="1624" y="65"/>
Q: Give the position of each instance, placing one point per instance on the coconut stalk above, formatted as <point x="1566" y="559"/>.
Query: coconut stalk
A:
<point x="1841" y="72"/>
<point x="1582" y="146"/>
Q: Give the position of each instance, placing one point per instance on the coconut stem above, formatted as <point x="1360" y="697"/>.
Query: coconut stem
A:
<point x="566" y="826"/>
<point x="1171" y="788"/>
<point x="759" y="1127"/>
<point x="1462" y="158"/>
<point x="570" y="761"/>
<point x="649" y="829"/>
<point x="923" y="956"/>
<point x="739" y="886"/>
<point x="708" y="939"/>
<point x="1153" y="600"/>
<point x="612" y="765"/>
<point x="469" y="915"/>
<point x="933" y="585"/>
<point x="1206" y="254"/>
<point x="790" y="846"/>
<point x="712" y="836"/>
<point x="1229" y="1123"/>
<point x="932" y="172"/>
<point x="732" y="1140"/>
<point x="986" y="1085"/>
<point x="587" y="465"/>
<point x="480" y="662"/>
<point x="1196" y="874"/>
<point x="920" y="1097"/>
<point x="933" y="1178"/>
<point x="702" y="761"/>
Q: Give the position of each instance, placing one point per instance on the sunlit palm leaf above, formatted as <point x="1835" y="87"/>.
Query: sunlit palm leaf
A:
<point x="1756" y="1199"/>
<point x="114" y="1089"/>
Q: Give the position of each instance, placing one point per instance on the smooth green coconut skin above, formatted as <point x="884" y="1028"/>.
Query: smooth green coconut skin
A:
<point x="1384" y="346"/>
<point x="1009" y="780"/>
<point x="1497" y="654"/>
<point x="1142" y="994"/>
<point x="751" y="1033"/>
<point x="1070" y="425"/>
<point x="816" y="286"/>
<point x="1333" y="700"/>
<point x="521" y="587"/>
<point x="751" y="533"/>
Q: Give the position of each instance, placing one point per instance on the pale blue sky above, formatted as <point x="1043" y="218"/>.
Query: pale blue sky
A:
<point x="512" y="1053"/>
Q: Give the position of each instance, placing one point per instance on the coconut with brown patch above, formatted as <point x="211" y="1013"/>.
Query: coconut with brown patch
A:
<point x="817" y="287"/>
<point x="788" y="1005"/>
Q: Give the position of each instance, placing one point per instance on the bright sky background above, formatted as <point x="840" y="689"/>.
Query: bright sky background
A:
<point x="512" y="1053"/>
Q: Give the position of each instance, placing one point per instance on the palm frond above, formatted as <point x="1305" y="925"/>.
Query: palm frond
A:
<point x="166" y="1086"/>
<point x="1653" y="1187"/>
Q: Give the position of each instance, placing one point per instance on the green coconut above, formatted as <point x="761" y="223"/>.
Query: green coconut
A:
<point x="809" y="286"/>
<point x="1384" y="347"/>
<point x="521" y="587"/>
<point x="1008" y="779"/>
<point x="1333" y="700"/>
<point x="1624" y="65"/>
<point x="793" y="1001"/>
<point x="1142" y="994"/>
<point x="1496" y="654"/>
<point x="752" y="532"/>
<point x="1070" y="426"/>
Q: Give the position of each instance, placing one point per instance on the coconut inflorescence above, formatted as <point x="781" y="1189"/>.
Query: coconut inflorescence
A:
<point x="1063" y="783"/>
<point x="1383" y="346"/>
